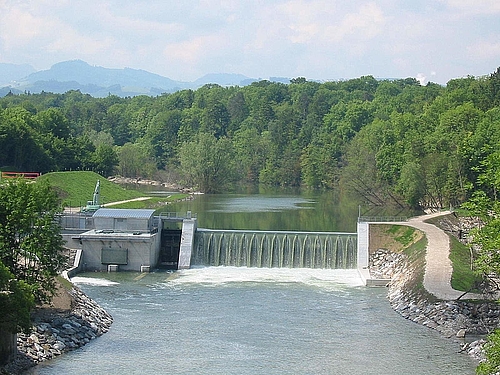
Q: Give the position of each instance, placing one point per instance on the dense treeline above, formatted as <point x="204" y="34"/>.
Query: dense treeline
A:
<point x="386" y="140"/>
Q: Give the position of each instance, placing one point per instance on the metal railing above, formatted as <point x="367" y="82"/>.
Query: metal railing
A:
<point x="382" y="219"/>
<point x="176" y="215"/>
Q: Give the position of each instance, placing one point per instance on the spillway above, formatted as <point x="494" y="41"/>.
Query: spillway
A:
<point x="240" y="248"/>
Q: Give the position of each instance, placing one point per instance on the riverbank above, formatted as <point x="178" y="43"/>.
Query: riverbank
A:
<point x="463" y="321"/>
<point x="466" y="319"/>
<point x="77" y="320"/>
<point x="146" y="182"/>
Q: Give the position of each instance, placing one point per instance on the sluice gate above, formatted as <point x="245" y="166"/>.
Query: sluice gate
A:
<point x="274" y="249"/>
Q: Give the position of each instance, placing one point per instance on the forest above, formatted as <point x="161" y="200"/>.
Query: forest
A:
<point x="384" y="140"/>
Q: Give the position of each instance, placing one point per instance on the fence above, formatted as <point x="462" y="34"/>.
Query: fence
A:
<point x="382" y="219"/>
<point x="28" y="175"/>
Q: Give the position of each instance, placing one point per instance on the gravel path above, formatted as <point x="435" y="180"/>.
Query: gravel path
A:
<point x="438" y="267"/>
<point x="128" y="200"/>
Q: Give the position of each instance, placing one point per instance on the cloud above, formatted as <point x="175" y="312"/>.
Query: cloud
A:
<point x="485" y="50"/>
<point x="365" y="24"/>
<point x="18" y="27"/>
<point x="318" y="39"/>
<point x="468" y="7"/>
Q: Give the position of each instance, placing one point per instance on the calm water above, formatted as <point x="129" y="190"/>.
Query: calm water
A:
<point x="223" y="320"/>
<point x="227" y="320"/>
<point x="280" y="210"/>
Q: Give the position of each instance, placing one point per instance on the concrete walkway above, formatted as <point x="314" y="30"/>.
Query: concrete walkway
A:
<point x="128" y="200"/>
<point x="438" y="267"/>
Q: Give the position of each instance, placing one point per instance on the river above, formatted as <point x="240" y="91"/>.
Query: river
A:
<point x="229" y="320"/>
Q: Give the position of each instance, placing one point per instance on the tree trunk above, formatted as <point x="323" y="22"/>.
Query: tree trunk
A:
<point x="8" y="346"/>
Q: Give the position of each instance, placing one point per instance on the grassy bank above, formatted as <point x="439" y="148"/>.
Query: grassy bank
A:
<point x="76" y="188"/>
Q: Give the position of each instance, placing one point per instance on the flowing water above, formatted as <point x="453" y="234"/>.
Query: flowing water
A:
<point x="246" y="320"/>
<point x="275" y="249"/>
<point x="228" y="320"/>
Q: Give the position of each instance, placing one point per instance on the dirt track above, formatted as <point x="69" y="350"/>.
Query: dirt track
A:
<point x="438" y="267"/>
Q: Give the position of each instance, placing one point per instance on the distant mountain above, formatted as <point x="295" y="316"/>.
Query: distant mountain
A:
<point x="100" y="82"/>
<point x="224" y="79"/>
<point x="85" y="74"/>
<point x="14" y="72"/>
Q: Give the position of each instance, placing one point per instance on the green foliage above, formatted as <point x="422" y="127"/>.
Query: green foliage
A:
<point x="30" y="240"/>
<point x="387" y="141"/>
<point x="492" y="353"/>
<point x="16" y="302"/>
<point x="134" y="162"/>
<point x="208" y="163"/>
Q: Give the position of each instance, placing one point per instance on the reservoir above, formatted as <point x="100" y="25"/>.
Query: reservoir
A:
<point x="249" y="320"/>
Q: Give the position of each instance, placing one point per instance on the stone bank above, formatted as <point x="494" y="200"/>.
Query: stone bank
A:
<point x="56" y="333"/>
<point x="460" y="320"/>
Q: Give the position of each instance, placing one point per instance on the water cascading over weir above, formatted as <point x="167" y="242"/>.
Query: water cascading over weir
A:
<point x="241" y="248"/>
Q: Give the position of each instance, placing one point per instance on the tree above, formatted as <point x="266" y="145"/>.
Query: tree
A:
<point x="251" y="151"/>
<point x="134" y="162"/>
<point x="216" y="118"/>
<point x="18" y="147"/>
<point x="16" y="302"/>
<point x="161" y="136"/>
<point x="30" y="239"/>
<point x="105" y="159"/>
<point x="208" y="162"/>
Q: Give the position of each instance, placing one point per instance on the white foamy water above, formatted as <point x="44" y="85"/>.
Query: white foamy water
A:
<point x="323" y="278"/>
<point x="92" y="281"/>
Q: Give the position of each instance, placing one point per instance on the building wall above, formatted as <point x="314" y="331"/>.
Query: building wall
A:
<point x="123" y="224"/>
<point x="143" y="250"/>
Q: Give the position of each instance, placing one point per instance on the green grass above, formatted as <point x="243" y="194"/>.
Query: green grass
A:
<point x="402" y="234"/>
<point x="65" y="283"/>
<point x="463" y="277"/>
<point x="76" y="188"/>
<point x="406" y="237"/>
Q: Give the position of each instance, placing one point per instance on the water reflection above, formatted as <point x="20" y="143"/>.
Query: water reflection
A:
<point x="282" y="210"/>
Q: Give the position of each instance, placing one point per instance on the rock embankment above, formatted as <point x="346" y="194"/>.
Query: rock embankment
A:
<point x="145" y="182"/>
<point x="55" y="333"/>
<point x="457" y="319"/>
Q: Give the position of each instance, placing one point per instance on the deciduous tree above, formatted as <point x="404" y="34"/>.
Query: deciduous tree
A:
<point x="30" y="240"/>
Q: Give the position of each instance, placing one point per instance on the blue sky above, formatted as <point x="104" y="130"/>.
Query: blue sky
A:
<point x="317" y="39"/>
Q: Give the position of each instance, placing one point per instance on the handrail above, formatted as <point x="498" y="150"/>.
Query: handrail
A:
<point x="28" y="175"/>
<point x="176" y="215"/>
<point x="382" y="219"/>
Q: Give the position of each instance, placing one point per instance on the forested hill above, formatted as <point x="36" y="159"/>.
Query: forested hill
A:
<point x="385" y="140"/>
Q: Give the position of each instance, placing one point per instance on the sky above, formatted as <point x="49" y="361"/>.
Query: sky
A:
<point x="317" y="39"/>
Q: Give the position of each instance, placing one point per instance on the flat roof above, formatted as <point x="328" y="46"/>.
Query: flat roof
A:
<point x="99" y="234"/>
<point x="123" y="213"/>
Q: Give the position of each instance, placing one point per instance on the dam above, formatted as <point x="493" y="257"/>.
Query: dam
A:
<point x="278" y="249"/>
<point x="137" y="240"/>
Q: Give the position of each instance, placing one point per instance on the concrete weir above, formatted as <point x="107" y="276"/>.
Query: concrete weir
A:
<point x="112" y="240"/>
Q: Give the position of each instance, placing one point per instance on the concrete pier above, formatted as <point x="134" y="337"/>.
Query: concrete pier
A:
<point x="187" y="243"/>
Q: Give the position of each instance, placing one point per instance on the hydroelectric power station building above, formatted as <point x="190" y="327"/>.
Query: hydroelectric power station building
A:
<point x="133" y="240"/>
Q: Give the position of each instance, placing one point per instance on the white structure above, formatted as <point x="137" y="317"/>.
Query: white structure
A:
<point x="123" y="240"/>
